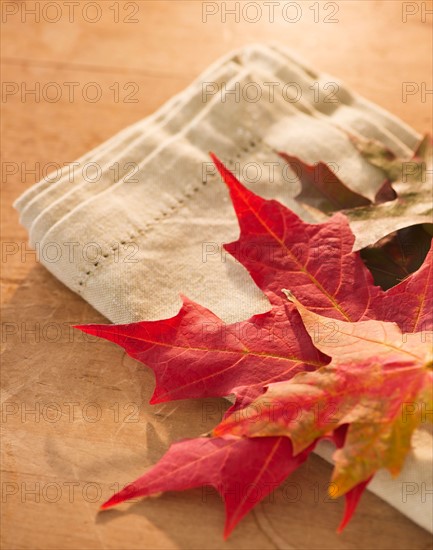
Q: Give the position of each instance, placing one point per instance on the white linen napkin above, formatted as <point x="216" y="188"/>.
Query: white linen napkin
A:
<point x="142" y="218"/>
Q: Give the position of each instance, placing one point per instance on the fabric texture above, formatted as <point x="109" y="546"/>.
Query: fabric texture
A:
<point x="143" y="217"/>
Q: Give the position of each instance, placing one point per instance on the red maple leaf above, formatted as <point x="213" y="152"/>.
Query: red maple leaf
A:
<point x="194" y="354"/>
<point x="242" y="470"/>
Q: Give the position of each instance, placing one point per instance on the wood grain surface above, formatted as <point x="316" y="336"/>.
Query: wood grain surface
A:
<point x="75" y="412"/>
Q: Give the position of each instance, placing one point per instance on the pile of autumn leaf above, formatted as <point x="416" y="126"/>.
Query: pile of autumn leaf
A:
<point x="336" y="357"/>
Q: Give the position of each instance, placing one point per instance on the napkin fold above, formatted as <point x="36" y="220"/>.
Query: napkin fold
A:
<point x="142" y="217"/>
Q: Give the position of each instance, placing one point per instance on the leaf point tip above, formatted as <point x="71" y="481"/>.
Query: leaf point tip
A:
<point x="83" y="328"/>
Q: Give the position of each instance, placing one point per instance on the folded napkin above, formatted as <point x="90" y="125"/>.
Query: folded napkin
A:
<point x="142" y="218"/>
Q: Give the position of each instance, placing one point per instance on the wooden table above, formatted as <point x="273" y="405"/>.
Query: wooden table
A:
<point x="76" y="418"/>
